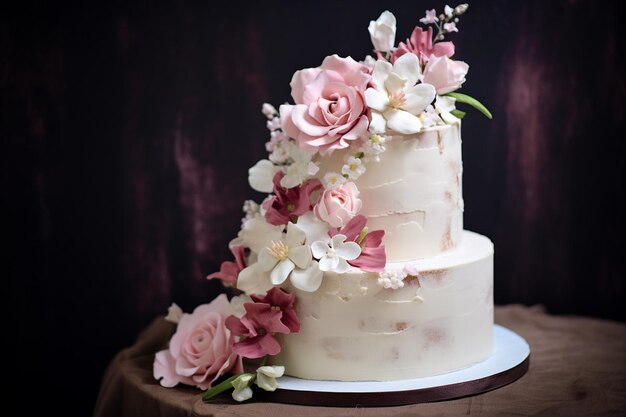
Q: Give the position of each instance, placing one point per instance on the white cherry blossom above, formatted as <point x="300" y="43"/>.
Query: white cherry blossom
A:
<point x="431" y="17"/>
<point x="333" y="256"/>
<point x="397" y="101"/>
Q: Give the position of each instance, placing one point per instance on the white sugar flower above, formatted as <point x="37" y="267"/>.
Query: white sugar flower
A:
<point x="333" y="256"/>
<point x="333" y="180"/>
<point x="444" y="105"/>
<point x="242" y="391"/>
<point x="268" y="110"/>
<point x="257" y="233"/>
<point x="431" y="17"/>
<point x="392" y="279"/>
<point x="383" y="32"/>
<point x="450" y="27"/>
<point x="448" y="11"/>
<point x="313" y="228"/>
<point x="260" y="176"/>
<point x="266" y="377"/>
<point x="397" y="100"/>
<point x="284" y="257"/>
<point x="174" y="313"/>
<point x="273" y="124"/>
<point x="353" y="168"/>
<point x="300" y="168"/>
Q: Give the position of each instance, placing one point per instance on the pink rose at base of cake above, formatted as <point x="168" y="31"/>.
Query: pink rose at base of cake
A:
<point x="356" y="266"/>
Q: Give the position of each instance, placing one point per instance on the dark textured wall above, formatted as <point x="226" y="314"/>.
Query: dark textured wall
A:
<point x="127" y="131"/>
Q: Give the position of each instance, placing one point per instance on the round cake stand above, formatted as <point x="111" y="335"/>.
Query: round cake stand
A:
<point x="509" y="362"/>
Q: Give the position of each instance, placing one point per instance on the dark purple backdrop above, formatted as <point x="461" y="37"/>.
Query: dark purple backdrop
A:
<point x="127" y="132"/>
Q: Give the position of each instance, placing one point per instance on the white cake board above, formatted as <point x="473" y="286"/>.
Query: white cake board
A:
<point x="508" y="362"/>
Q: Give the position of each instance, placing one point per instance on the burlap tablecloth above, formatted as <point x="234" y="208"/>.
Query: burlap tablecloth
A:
<point x="577" y="368"/>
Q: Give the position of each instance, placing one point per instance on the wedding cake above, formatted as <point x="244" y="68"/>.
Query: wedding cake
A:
<point x="355" y="267"/>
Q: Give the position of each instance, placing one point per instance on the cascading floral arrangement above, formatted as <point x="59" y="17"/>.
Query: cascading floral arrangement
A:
<point x="310" y="224"/>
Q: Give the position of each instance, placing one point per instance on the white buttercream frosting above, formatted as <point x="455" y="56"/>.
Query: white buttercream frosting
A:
<point x="413" y="192"/>
<point x="439" y="320"/>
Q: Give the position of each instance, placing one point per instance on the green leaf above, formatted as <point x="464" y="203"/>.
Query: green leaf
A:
<point x="464" y="98"/>
<point x="219" y="388"/>
<point x="458" y="113"/>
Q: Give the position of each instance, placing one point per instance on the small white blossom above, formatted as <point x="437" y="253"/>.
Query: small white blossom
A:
<point x="275" y="137"/>
<point x="431" y="17"/>
<point x="251" y="210"/>
<point x="333" y="256"/>
<point x="392" y="279"/>
<point x="266" y="377"/>
<point x="242" y="391"/>
<point x="280" y="152"/>
<point x="333" y="180"/>
<point x="295" y="174"/>
<point x="300" y="168"/>
<point x="450" y="27"/>
<point x="372" y="147"/>
<point x="273" y="124"/>
<point x="268" y="110"/>
<point x="448" y="11"/>
<point x="353" y="168"/>
<point x="174" y="313"/>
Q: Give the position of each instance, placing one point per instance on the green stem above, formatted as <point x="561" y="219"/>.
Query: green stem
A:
<point x="219" y="388"/>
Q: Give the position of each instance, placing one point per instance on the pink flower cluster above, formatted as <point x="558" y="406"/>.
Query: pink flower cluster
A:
<point x="269" y="314"/>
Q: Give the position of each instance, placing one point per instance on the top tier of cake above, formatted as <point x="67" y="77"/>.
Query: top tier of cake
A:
<point x="413" y="192"/>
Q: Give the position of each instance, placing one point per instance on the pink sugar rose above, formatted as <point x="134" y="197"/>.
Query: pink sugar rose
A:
<point x="445" y="74"/>
<point x="200" y="350"/>
<point x="336" y="207"/>
<point x="373" y="257"/>
<point x="421" y="44"/>
<point x="329" y="109"/>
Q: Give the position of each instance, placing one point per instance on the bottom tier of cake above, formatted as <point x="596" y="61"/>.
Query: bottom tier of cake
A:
<point x="353" y="329"/>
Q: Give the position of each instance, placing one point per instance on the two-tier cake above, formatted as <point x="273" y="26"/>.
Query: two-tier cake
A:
<point x="355" y="266"/>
